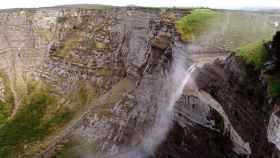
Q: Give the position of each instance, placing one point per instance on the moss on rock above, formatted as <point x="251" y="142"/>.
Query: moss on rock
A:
<point x="97" y="45"/>
<point x="45" y="33"/>
<point x="68" y="45"/>
<point x="254" y="53"/>
<point x="274" y="88"/>
<point x="195" y="23"/>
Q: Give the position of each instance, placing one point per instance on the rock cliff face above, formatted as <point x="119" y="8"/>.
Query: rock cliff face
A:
<point x="236" y="87"/>
<point x="107" y="66"/>
<point x="114" y="55"/>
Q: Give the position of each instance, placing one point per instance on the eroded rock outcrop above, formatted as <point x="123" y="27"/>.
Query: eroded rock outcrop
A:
<point x="236" y="87"/>
<point x="90" y="58"/>
<point x="109" y="65"/>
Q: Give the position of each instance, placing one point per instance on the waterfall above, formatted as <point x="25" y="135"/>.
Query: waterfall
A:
<point x="179" y="75"/>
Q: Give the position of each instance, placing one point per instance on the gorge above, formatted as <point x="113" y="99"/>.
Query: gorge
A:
<point x="89" y="81"/>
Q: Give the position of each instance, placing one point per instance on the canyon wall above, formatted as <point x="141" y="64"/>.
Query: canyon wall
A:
<point x="107" y="66"/>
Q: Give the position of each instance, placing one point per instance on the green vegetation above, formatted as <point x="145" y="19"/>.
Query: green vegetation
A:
<point x="25" y="127"/>
<point x="7" y="103"/>
<point x="254" y="53"/>
<point x="67" y="150"/>
<point x="274" y="88"/>
<point x="224" y="29"/>
<point x="4" y="112"/>
<point x="75" y="40"/>
<point x="60" y="117"/>
<point x="31" y="123"/>
<point x="82" y="94"/>
<point x="192" y="25"/>
<point x="44" y="33"/>
<point x="72" y="149"/>
<point x="97" y="45"/>
<point x="68" y="45"/>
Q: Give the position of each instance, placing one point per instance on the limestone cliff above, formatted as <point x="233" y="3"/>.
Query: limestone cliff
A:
<point x="87" y="82"/>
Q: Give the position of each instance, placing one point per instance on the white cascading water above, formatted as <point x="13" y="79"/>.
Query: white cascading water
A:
<point x="179" y="75"/>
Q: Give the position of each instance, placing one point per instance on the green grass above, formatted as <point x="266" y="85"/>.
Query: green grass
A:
<point x="254" y="53"/>
<point x="67" y="150"/>
<point x="6" y="105"/>
<point x="4" y="112"/>
<point x="25" y="127"/>
<point x="274" y="88"/>
<point x="60" y="117"/>
<point x="192" y="25"/>
<point x="28" y="125"/>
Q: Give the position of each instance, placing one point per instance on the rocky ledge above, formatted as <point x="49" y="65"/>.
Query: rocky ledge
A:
<point x="230" y="113"/>
<point x="78" y="82"/>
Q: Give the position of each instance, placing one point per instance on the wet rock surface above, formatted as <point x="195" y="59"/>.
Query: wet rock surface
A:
<point x="246" y="106"/>
<point x="236" y="86"/>
<point x="195" y="141"/>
